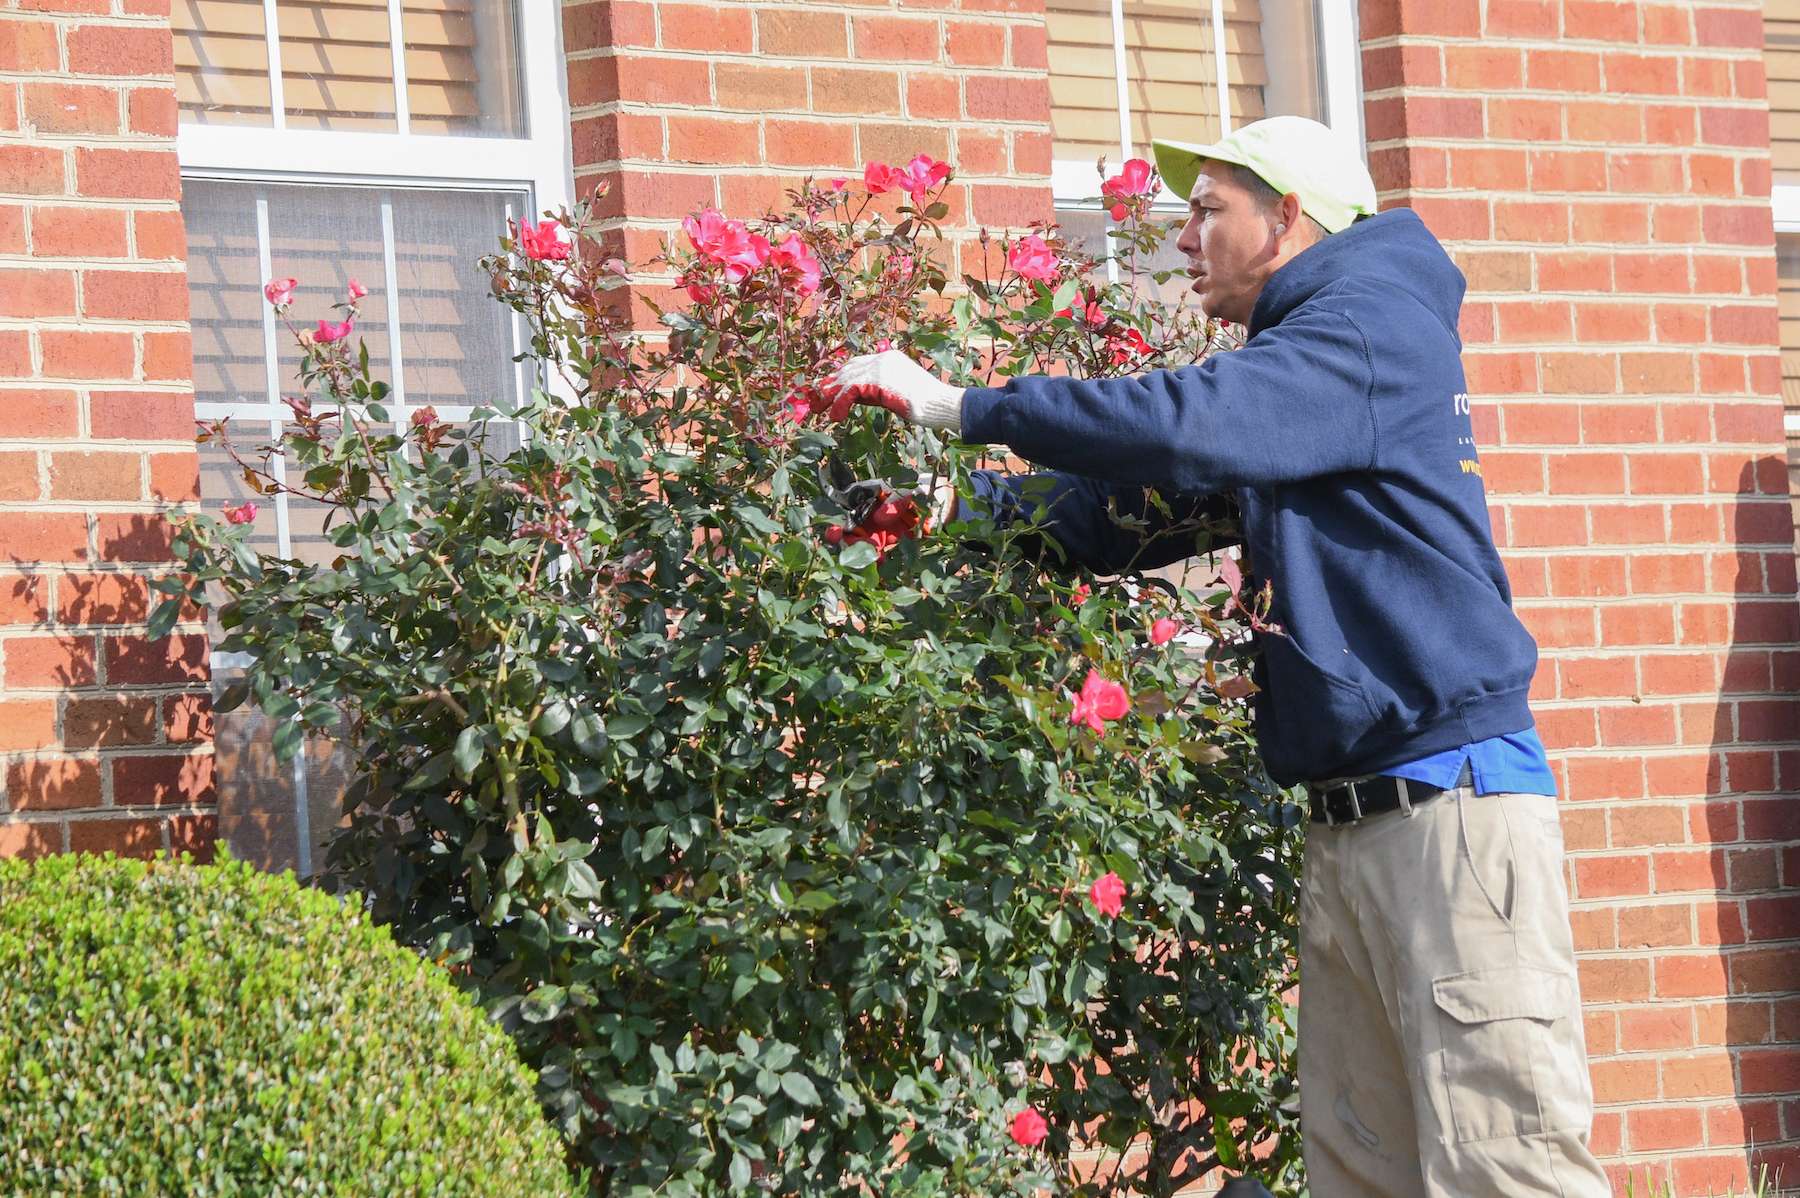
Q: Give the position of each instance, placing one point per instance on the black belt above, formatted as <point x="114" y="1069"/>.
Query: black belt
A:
<point x="1372" y="796"/>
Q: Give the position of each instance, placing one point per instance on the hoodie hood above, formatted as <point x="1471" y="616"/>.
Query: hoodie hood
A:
<point x="1391" y="250"/>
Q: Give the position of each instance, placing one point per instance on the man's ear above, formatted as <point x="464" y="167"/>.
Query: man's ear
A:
<point x="1290" y="214"/>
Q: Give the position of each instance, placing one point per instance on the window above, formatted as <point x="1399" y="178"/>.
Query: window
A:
<point x="331" y="140"/>
<point x="1123" y="72"/>
<point x="1781" y="57"/>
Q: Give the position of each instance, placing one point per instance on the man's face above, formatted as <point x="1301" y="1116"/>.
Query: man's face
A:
<point x="1230" y="244"/>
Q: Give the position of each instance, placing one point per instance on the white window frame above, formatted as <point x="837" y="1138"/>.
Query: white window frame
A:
<point x="1074" y="185"/>
<point x="538" y="168"/>
<point x="1784" y="199"/>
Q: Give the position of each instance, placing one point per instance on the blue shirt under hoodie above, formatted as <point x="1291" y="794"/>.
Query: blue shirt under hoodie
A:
<point x="1342" y="429"/>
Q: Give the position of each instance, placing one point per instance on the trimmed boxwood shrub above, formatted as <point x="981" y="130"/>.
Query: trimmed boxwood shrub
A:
<point x="207" y="1031"/>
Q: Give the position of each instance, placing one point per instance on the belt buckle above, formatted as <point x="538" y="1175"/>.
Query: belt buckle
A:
<point x="1356" y="811"/>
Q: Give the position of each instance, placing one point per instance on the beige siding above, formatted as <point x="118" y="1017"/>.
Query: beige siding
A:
<point x="1781" y="57"/>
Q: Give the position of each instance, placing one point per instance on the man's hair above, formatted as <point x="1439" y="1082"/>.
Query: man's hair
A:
<point x="1268" y="199"/>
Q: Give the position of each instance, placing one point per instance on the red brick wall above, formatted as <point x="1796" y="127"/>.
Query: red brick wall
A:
<point x="104" y="736"/>
<point x="1601" y="173"/>
<point x="682" y="105"/>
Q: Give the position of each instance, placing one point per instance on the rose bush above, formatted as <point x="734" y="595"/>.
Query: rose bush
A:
<point x="910" y="862"/>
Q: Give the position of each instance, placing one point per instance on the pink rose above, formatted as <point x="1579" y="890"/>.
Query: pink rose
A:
<point x="1079" y="595"/>
<point x="1100" y="699"/>
<point x="1108" y="895"/>
<point x="357" y="291"/>
<point x="920" y="175"/>
<point x="280" y="292"/>
<point x="879" y="177"/>
<point x="729" y="243"/>
<point x="839" y="184"/>
<point x="1087" y="313"/>
<point x="330" y="331"/>
<point x="1163" y="631"/>
<point x="1126" y="345"/>
<point x="798" y="406"/>
<point x="242" y="514"/>
<point x="699" y="292"/>
<point x="1133" y="182"/>
<point x="425" y="417"/>
<point x="1028" y="1128"/>
<point x="543" y="241"/>
<point x="1031" y="258"/>
<point x="795" y="260"/>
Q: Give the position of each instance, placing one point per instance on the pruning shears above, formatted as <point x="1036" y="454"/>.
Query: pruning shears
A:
<point x="860" y="497"/>
<point x="876" y="508"/>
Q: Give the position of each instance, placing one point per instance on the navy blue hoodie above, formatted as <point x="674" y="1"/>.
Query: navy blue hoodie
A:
<point x="1342" y="429"/>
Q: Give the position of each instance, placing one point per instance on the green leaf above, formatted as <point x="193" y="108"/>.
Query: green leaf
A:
<point x="434" y="771"/>
<point x="162" y="620"/>
<point x="553" y="719"/>
<point x="1225" y="1144"/>
<point x="589" y="736"/>
<point x="543" y="1004"/>
<point x="286" y="739"/>
<point x="624" y="727"/>
<point x="468" y="751"/>
<point x="233" y="696"/>
<point x="858" y="556"/>
<point x="740" y="1171"/>
<point x="800" y="1088"/>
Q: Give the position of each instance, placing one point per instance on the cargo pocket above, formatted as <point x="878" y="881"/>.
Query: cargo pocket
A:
<point x="1513" y="1062"/>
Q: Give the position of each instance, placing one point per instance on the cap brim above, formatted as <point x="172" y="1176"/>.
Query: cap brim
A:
<point x="1179" y="163"/>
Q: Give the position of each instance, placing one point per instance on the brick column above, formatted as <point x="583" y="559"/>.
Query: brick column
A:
<point x="104" y="735"/>
<point x="1600" y="171"/>
<point x="682" y="105"/>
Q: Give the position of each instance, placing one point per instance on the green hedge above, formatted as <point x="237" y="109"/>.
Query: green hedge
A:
<point x="173" y="1029"/>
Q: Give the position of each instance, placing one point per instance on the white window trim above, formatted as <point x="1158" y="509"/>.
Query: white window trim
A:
<point x="1784" y="199"/>
<point x="541" y="161"/>
<point x="1074" y="185"/>
<point x="538" y="168"/>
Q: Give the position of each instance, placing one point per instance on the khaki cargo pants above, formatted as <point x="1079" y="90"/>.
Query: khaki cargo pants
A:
<point x="1441" y="1048"/>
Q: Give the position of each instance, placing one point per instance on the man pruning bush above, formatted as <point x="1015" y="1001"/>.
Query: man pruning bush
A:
<point x="1440" y="1025"/>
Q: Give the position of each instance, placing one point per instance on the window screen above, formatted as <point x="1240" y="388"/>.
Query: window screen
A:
<point x="415" y="249"/>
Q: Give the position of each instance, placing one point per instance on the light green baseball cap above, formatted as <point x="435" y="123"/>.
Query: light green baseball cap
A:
<point x="1291" y="154"/>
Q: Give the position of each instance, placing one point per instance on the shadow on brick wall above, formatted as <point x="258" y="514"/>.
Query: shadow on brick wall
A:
<point x="112" y="756"/>
<point x="1752" y="848"/>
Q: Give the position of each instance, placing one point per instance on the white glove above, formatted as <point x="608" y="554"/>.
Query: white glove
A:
<point x="936" y="497"/>
<point x="894" y="381"/>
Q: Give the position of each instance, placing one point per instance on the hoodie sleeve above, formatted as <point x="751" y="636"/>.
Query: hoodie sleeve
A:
<point x="1296" y="402"/>
<point x="1078" y="520"/>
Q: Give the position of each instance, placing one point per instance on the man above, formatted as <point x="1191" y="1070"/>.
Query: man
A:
<point x="1440" y="1026"/>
